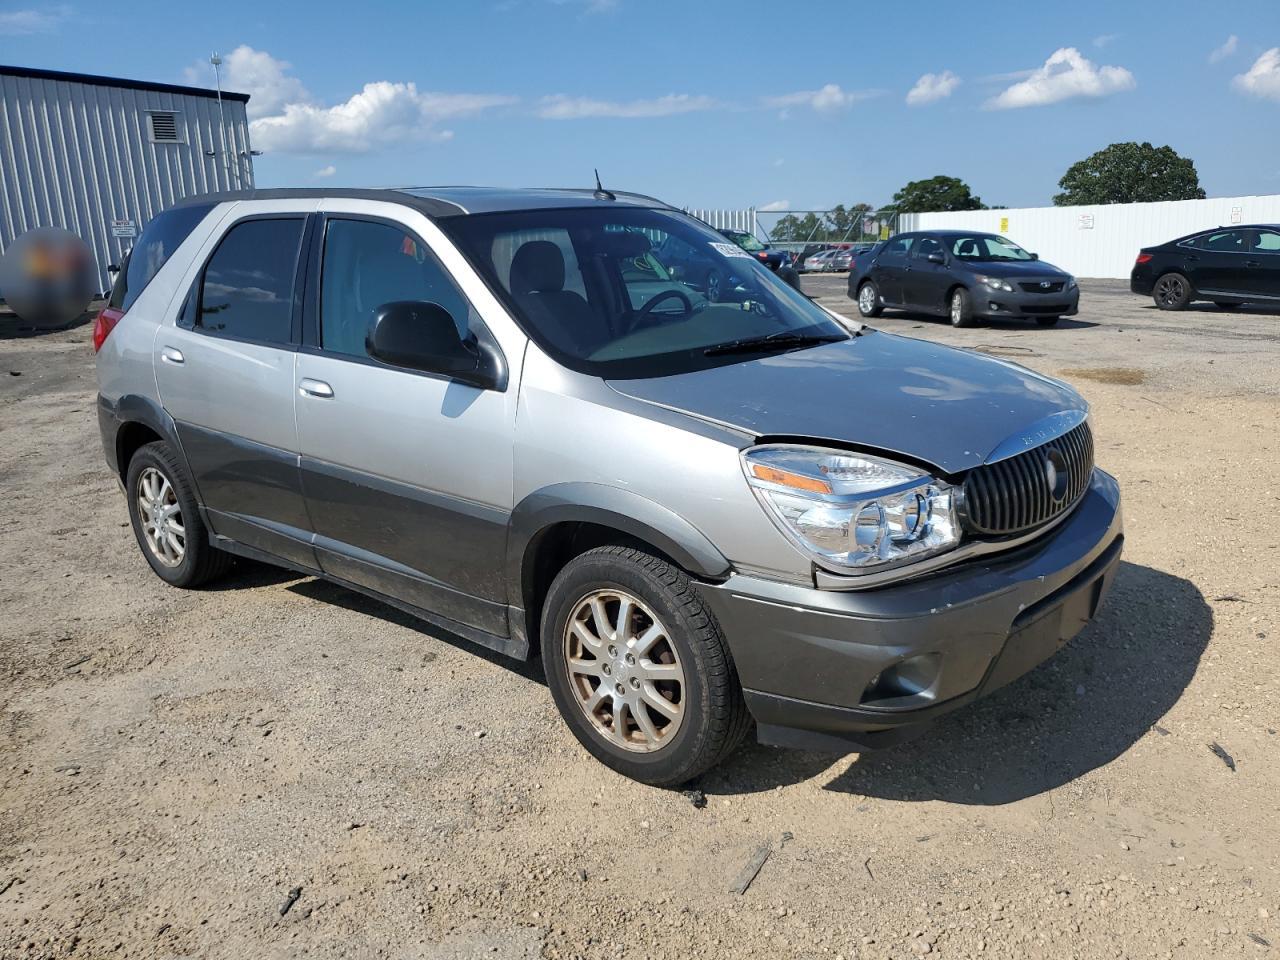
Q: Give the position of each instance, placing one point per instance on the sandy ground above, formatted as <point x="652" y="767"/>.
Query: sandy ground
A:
<point x="173" y="764"/>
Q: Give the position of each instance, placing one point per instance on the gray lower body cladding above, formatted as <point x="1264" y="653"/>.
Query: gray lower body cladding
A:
<point x="852" y="670"/>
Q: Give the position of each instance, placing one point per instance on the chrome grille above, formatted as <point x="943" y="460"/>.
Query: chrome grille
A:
<point x="1014" y="495"/>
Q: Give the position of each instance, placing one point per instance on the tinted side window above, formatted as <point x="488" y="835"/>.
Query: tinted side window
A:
<point x="898" y="246"/>
<point x="1229" y="241"/>
<point x="247" y="288"/>
<point x="1268" y="242"/>
<point x="163" y="235"/>
<point x="367" y="264"/>
<point x="926" y="246"/>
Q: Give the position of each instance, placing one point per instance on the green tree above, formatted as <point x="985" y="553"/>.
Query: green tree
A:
<point x="930" y="196"/>
<point x="844" y="223"/>
<point x="1129" y="173"/>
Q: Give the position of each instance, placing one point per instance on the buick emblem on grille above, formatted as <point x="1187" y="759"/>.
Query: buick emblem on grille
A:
<point x="1055" y="473"/>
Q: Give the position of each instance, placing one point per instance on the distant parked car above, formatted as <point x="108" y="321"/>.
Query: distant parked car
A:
<point x="810" y="250"/>
<point x="841" y="259"/>
<point x="1228" y="265"/>
<point x="771" y="258"/>
<point x="963" y="276"/>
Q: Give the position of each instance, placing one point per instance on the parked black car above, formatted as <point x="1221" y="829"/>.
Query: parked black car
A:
<point x="962" y="275"/>
<point x="770" y="257"/>
<point x="1228" y="265"/>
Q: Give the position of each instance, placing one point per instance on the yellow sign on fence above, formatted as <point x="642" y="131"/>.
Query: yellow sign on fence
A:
<point x="1004" y="224"/>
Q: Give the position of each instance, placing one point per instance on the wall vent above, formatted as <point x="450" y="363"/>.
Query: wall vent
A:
<point x="163" y="126"/>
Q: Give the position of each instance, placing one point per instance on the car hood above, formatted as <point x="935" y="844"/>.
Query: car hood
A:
<point x="932" y="404"/>
<point x="1014" y="268"/>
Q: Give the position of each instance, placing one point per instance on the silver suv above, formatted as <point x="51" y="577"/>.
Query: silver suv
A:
<point x="516" y="415"/>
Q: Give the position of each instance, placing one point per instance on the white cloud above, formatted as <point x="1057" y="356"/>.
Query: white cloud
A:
<point x="257" y="73"/>
<point x="1226" y="50"/>
<point x="19" y="23"/>
<point x="380" y="114"/>
<point x="931" y="87"/>
<point x="1263" y="78"/>
<point x="774" y="205"/>
<point x="325" y="172"/>
<point x="1105" y="40"/>
<point x="1065" y="75"/>
<point x="825" y="99"/>
<point x="561" y="107"/>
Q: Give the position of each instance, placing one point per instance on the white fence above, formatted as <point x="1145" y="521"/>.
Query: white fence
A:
<point x="1100" y="241"/>
<point x="744" y="220"/>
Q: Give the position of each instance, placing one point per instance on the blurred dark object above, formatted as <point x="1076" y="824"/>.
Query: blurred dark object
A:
<point x="47" y="277"/>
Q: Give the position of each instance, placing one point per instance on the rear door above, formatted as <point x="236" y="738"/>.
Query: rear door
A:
<point x="225" y="375"/>
<point x="1262" y="265"/>
<point x="890" y="270"/>
<point x="408" y="475"/>
<point x="1216" y="264"/>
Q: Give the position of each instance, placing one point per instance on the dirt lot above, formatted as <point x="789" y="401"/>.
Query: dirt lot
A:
<point x="173" y="764"/>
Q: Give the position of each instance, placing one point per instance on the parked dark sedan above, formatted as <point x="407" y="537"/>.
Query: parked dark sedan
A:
<point x="771" y="258"/>
<point x="962" y="275"/>
<point x="1228" y="265"/>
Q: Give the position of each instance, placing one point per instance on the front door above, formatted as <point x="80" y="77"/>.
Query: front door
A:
<point x="407" y="475"/>
<point x="225" y="375"/>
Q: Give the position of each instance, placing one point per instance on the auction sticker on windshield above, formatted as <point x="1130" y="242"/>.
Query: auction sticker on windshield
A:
<point x="731" y="250"/>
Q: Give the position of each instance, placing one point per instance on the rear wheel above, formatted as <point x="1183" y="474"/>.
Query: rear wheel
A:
<point x="167" y="523"/>
<point x="1228" y="304"/>
<point x="961" y="308"/>
<point x="869" y="304"/>
<point x="1047" y="321"/>
<point x="638" y="667"/>
<point x="1172" y="292"/>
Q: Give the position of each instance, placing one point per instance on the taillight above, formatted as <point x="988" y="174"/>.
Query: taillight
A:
<point x="1145" y="257"/>
<point x="763" y="256"/>
<point x="103" y="324"/>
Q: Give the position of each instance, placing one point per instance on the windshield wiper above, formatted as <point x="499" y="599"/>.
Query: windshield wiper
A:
<point x="783" y="340"/>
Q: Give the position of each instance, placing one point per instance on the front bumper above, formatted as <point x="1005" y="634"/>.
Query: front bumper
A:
<point x="853" y="670"/>
<point x="1020" y="305"/>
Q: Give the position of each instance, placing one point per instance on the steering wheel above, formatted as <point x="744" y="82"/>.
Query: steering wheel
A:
<point x="647" y="309"/>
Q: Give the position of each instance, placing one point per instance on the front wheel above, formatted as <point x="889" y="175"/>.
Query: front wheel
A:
<point x="1172" y="292"/>
<point x="961" y="308"/>
<point x="1048" y="321"/>
<point x="638" y="667"/>
<point x="869" y="304"/>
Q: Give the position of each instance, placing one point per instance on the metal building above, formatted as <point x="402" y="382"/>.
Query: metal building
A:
<point x="100" y="156"/>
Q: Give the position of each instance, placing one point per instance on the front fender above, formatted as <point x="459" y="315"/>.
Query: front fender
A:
<point x="607" y="506"/>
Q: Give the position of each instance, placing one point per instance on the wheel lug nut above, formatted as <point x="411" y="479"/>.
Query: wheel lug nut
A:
<point x="606" y="669"/>
<point x="631" y="659"/>
<point x="635" y="684"/>
<point x="613" y="651"/>
<point x="621" y="689"/>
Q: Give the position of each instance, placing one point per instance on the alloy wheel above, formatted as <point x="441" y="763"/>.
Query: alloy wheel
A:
<point x="624" y="672"/>
<point x="1169" y="291"/>
<point x="957" y="308"/>
<point x="867" y="298"/>
<point x="161" y="517"/>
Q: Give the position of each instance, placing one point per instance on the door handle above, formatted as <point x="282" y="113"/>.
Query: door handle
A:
<point x="172" y="355"/>
<point x="315" y="388"/>
<point x="1252" y="263"/>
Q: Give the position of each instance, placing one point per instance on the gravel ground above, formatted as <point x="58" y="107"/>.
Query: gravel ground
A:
<point x="276" y="767"/>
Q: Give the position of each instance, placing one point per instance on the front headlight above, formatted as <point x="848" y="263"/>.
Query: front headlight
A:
<point x="1071" y="283"/>
<point x="852" y="512"/>
<point x="995" y="283"/>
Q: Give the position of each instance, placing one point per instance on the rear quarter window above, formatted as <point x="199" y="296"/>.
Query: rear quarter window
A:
<point x="163" y="235"/>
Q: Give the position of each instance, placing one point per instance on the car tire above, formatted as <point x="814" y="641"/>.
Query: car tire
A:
<point x="166" y="521"/>
<point x="1048" y="321"/>
<point x="790" y="276"/>
<point x="672" y="729"/>
<point x="869" y="302"/>
<point x="960" y="308"/>
<point x="1172" y="292"/>
<point x="1228" y="304"/>
<point x="715" y="286"/>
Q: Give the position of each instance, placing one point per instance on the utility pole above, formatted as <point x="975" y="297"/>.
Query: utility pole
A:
<point x="222" y="119"/>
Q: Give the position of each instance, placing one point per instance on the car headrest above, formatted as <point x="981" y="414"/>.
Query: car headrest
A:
<point x="537" y="267"/>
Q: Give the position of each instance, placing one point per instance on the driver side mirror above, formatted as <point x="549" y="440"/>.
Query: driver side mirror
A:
<point x="420" y="335"/>
<point x="1035" y="256"/>
<point x="937" y="257"/>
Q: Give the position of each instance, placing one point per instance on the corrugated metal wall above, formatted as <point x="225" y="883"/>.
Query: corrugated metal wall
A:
<point x="744" y="220"/>
<point x="1100" y="241"/>
<point x="79" y="156"/>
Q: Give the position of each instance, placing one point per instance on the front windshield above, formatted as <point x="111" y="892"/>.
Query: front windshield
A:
<point x="628" y="292"/>
<point x="984" y="246"/>
<point x="746" y="241"/>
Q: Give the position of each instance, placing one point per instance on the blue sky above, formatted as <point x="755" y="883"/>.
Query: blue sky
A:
<point x="705" y="103"/>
